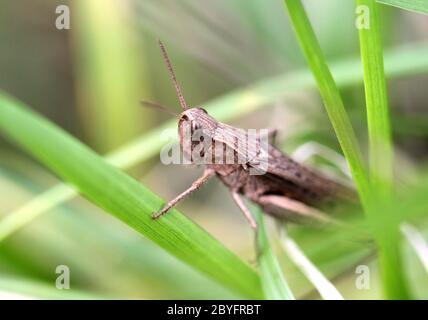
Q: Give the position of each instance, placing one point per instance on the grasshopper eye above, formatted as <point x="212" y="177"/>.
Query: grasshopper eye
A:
<point x="194" y="125"/>
<point x="184" y="118"/>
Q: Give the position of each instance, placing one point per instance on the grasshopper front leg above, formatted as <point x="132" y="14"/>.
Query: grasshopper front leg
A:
<point x="208" y="173"/>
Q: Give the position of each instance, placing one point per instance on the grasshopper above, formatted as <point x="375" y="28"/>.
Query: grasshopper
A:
<point x="286" y="189"/>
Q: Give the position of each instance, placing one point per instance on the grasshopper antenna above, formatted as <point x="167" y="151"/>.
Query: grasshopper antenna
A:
<point x="157" y="106"/>
<point x="173" y="78"/>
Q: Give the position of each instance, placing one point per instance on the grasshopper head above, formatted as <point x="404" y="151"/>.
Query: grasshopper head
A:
<point x="195" y="119"/>
<point x="195" y="126"/>
<point x="192" y="117"/>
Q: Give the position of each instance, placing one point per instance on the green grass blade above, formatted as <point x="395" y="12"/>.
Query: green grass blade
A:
<point x="101" y="34"/>
<point x="420" y="6"/>
<point x="274" y="285"/>
<point x="381" y="153"/>
<point x="147" y="263"/>
<point x="325" y="288"/>
<point x="20" y="288"/>
<point x="330" y="95"/>
<point x="417" y="241"/>
<point x="127" y="156"/>
<point x="35" y="207"/>
<point x="123" y="197"/>
<point x="400" y="62"/>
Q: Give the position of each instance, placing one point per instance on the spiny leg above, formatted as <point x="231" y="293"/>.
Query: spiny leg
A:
<point x="302" y="210"/>
<point x="311" y="214"/>
<point x="208" y="173"/>
<point x="247" y="214"/>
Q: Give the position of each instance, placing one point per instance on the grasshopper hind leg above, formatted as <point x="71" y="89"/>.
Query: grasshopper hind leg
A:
<point x="292" y="210"/>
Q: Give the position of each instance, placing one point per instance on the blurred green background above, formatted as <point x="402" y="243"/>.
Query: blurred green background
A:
<point x="89" y="80"/>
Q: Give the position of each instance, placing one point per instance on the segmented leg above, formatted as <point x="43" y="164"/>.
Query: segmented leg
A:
<point x="247" y="214"/>
<point x="287" y="208"/>
<point x="208" y="173"/>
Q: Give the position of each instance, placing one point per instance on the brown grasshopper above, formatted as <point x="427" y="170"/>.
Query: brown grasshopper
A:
<point x="287" y="190"/>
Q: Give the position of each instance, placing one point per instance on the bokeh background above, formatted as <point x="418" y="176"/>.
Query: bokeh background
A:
<point x="89" y="80"/>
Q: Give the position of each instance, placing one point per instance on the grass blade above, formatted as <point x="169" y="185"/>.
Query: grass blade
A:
<point x="123" y="197"/>
<point x="20" y="288"/>
<point x="35" y="207"/>
<point x="420" y="6"/>
<point x="325" y="288"/>
<point x="417" y="241"/>
<point x="381" y="153"/>
<point x="330" y="95"/>
<point x="274" y="285"/>
<point x="400" y="62"/>
<point x="102" y="33"/>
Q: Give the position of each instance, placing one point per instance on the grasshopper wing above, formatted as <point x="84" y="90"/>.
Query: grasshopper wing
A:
<point x="310" y="181"/>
